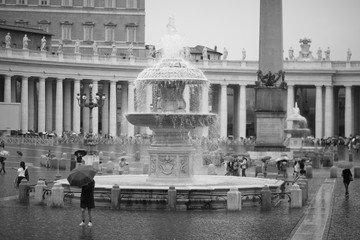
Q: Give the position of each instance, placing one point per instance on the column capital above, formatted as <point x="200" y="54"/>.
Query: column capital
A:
<point x="318" y="86"/>
<point x="224" y="84"/>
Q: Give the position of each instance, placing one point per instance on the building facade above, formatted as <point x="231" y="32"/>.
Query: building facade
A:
<point x="103" y="22"/>
<point x="46" y="85"/>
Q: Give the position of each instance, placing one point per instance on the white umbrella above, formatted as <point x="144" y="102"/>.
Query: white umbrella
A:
<point x="4" y="153"/>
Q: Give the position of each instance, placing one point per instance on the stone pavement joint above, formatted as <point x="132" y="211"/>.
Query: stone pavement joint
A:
<point x="316" y="216"/>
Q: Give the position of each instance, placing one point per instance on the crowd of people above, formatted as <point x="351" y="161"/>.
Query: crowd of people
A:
<point x="236" y="164"/>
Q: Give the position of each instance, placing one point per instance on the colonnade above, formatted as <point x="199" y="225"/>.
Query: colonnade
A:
<point x="49" y="104"/>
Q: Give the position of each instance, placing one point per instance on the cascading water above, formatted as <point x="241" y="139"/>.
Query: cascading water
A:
<point x="171" y="156"/>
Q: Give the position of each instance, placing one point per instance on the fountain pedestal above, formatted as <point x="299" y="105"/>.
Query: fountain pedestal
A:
<point x="171" y="157"/>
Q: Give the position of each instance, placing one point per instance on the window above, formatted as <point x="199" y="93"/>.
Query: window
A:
<point x="110" y="32"/>
<point x="109" y="3"/>
<point x="88" y="3"/>
<point x="21" y="23"/>
<point x="44" y="25"/>
<point x="131" y="3"/>
<point x="88" y="31"/>
<point x="44" y="2"/>
<point x="66" y="30"/>
<point x="131" y="32"/>
<point x="67" y="3"/>
<point x="21" y="2"/>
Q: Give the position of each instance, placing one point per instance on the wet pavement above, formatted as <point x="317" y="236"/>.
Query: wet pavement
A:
<point x="32" y="221"/>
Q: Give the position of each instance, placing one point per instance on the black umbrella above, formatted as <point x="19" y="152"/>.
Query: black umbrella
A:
<point x="80" y="152"/>
<point x="81" y="175"/>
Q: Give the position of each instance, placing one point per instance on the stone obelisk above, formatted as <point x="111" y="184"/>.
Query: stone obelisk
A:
<point x="270" y="90"/>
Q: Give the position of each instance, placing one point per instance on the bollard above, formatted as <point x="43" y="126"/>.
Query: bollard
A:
<point x="172" y="198"/>
<point x="39" y="190"/>
<point x="258" y="169"/>
<point x="234" y="200"/>
<point x="265" y="198"/>
<point x="57" y="195"/>
<point x="296" y="196"/>
<point x="112" y="156"/>
<point x="115" y="197"/>
<point x="211" y="169"/>
<point x="316" y="161"/>
<point x="356" y="172"/>
<point x="146" y="168"/>
<point x="24" y="191"/>
<point x="303" y="184"/>
<point x="309" y="172"/>
<point x="333" y="172"/>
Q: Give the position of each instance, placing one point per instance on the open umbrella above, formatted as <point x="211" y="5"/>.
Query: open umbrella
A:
<point x="80" y="152"/>
<point x="81" y="175"/>
<point x="229" y="158"/>
<point x="343" y="164"/>
<point x="266" y="158"/>
<point x="4" y="153"/>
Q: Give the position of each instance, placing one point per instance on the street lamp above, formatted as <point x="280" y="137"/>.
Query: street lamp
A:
<point x="90" y="103"/>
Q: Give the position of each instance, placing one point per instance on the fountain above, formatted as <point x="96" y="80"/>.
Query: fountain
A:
<point x="297" y="127"/>
<point x="172" y="157"/>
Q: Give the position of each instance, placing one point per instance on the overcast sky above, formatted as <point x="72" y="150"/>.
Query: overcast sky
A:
<point x="234" y="24"/>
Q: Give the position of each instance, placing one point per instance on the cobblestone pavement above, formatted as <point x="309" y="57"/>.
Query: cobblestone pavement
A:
<point x="32" y="221"/>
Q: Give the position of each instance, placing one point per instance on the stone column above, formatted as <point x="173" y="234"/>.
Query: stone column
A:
<point x="349" y="123"/>
<point x="95" y="111"/>
<point x="131" y="107"/>
<point x="236" y="118"/>
<point x="187" y="98"/>
<point x="242" y="110"/>
<point x="112" y="110"/>
<point x="76" y="107"/>
<point x="124" y="108"/>
<point x="290" y="100"/>
<point x="329" y="112"/>
<point x="223" y="111"/>
<point x="67" y="105"/>
<point x="85" y="110"/>
<point x="31" y="104"/>
<point x="13" y="90"/>
<point x="59" y="107"/>
<point x="204" y="106"/>
<point x="41" y="105"/>
<point x="49" y="105"/>
<point x="7" y="89"/>
<point x="319" y="113"/>
<point x="24" y="104"/>
<point x="105" y="109"/>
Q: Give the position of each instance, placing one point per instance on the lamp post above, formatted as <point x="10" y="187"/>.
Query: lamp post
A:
<point x="90" y="103"/>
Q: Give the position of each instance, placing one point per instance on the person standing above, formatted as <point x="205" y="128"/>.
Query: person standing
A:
<point x="243" y="166"/>
<point x="87" y="201"/>
<point x="22" y="172"/>
<point x="347" y="178"/>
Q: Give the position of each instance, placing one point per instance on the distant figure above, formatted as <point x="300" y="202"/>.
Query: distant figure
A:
<point x="204" y="53"/>
<point x="291" y="53"/>
<point x="43" y="44"/>
<point x="95" y="48"/>
<point x="243" y="166"/>
<point x="26" y="42"/>
<point x="114" y="50"/>
<point x="319" y="54"/>
<point x="225" y="54"/>
<point x="60" y="47"/>
<point x="243" y="54"/>
<point x="131" y="49"/>
<point x="8" y="40"/>
<point x="327" y="54"/>
<point x="347" y="178"/>
<point x="3" y="155"/>
<point x="348" y="55"/>
<point x="123" y="167"/>
<point x="87" y="201"/>
<point x="77" y="46"/>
